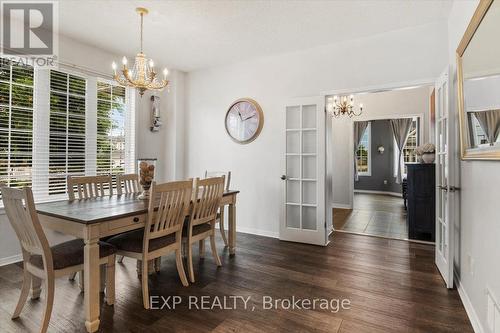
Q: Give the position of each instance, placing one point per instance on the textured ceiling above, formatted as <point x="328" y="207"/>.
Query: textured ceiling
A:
<point x="190" y="35"/>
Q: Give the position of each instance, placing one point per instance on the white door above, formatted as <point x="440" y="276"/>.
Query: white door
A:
<point x="445" y="172"/>
<point x="304" y="172"/>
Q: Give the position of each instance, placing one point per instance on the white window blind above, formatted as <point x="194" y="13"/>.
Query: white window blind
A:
<point x="16" y="123"/>
<point x="67" y="129"/>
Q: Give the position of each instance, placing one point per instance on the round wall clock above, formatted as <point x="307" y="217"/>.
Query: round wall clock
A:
<point x="244" y="120"/>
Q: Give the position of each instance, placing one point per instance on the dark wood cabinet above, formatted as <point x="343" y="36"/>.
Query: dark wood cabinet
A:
<point x="421" y="214"/>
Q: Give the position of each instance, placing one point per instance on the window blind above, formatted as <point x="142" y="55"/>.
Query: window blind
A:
<point x="67" y="129"/>
<point x="16" y="123"/>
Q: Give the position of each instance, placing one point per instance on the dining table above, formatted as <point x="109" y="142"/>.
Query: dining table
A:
<point x="94" y="218"/>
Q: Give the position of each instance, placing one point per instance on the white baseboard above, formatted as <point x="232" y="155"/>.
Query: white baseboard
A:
<point x="471" y="313"/>
<point x="394" y="194"/>
<point x="258" y="232"/>
<point x="341" y="206"/>
<point x="11" y="259"/>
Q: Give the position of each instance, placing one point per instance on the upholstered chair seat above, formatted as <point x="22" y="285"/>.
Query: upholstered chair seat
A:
<point x="70" y="253"/>
<point x="132" y="241"/>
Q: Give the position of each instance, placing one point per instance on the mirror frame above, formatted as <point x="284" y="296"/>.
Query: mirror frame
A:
<point x="467" y="153"/>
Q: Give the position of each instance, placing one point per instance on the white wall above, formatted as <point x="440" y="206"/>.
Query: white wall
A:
<point x="166" y="145"/>
<point x="478" y="231"/>
<point x="382" y="105"/>
<point x="411" y="54"/>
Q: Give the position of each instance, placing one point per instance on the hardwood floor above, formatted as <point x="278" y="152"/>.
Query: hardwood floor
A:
<point x="393" y="286"/>
<point x="373" y="214"/>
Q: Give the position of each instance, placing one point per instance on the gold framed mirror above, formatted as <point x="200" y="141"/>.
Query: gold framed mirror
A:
<point x="478" y="76"/>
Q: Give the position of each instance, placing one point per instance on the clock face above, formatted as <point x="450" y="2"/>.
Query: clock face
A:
<point x="244" y="120"/>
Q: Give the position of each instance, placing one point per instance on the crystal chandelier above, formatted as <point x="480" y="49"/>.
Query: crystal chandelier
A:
<point x="142" y="75"/>
<point x="337" y="107"/>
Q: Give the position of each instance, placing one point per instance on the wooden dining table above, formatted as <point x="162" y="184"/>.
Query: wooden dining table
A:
<point x="95" y="218"/>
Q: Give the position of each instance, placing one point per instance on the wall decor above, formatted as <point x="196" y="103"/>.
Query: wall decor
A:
<point x="155" y="114"/>
<point x="244" y="120"/>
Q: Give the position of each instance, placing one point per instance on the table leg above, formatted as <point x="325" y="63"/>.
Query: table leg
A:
<point x="232" y="229"/>
<point x="92" y="284"/>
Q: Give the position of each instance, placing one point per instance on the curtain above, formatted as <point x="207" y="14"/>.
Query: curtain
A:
<point x="490" y="123"/>
<point x="400" y="129"/>
<point x="359" y="130"/>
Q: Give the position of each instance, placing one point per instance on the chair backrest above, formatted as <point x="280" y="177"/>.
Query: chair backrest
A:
<point x="89" y="186"/>
<point x="226" y="174"/>
<point x="169" y="205"/>
<point x="21" y="212"/>
<point x="127" y="183"/>
<point x="207" y="197"/>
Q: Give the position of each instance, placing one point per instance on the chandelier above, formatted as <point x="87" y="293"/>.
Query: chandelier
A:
<point x="337" y="107"/>
<point x="142" y="75"/>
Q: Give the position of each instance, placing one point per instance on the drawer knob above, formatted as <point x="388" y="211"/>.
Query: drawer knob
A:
<point x="136" y="219"/>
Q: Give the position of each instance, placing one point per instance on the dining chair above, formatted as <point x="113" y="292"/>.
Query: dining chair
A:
<point x="42" y="262"/>
<point x="220" y="215"/>
<point x="87" y="187"/>
<point x="127" y="183"/>
<point x="201" y="223"/>
<point x="169" y="205"/>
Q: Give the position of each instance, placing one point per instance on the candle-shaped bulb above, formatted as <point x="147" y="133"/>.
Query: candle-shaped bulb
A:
<point x="114" y="66"/>
<point x="151" y="63"/>
<point x="361" y="106"/>
<point x="124" y="61"/>
<point x="165" y="72"/>
<point x="335" y="98"/>
<point x="351" y="97"/>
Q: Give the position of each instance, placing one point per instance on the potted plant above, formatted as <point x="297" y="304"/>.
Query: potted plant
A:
<point x="427" y="152"/>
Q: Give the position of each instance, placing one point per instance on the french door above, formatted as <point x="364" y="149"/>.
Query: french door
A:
<point x="445" y="178"/>
<point x="304" y="176"/>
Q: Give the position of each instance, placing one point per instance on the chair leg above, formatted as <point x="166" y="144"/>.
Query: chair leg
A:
<point x="145" y="289"/>
<point x="36" y="287"/>
<point x="25" y="290"/>
<point x="190" y="262"/>
<point x="120" y="259"/>
<point x="202" y="248"/>
<point x="110" y="280"/>
<point x="81" y="281"/>
<point x="180" y="267"/>
<point x="221" y="226"/>
<point x="49" y="302"/>
<point x="214" y="249"/>
<point x="72" y="276"/>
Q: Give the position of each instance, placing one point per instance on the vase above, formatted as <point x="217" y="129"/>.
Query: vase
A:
<point x="428" y="158"/>
<point x="146" y="169"/>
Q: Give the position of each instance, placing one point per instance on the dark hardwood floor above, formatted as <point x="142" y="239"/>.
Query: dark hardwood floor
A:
<point x="393" y="286"/>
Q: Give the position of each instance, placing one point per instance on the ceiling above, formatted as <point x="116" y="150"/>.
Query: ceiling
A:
<point x="190" y="35"/>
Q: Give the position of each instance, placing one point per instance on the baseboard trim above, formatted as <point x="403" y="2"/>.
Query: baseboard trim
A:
<point x="469" y="309"/>
<point x="11" y="260"/>
<point x="258" y="232"/>
<point x="341" y="206"/>
<point x="394" y="194"/>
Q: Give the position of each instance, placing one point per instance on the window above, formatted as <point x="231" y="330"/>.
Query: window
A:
<point x="412" y="142"/>
<point x="363" y="153"/>
<point x="55" y="123"/>
<point x="16" y="123"/>
<point x="110" y="129"/>
<point x="67" y="129"/>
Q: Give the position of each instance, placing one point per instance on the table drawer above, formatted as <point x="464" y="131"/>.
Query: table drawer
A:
<point x="125" y="224"/>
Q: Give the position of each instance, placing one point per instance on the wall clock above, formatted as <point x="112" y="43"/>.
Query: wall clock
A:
<point x="244" y="120"/>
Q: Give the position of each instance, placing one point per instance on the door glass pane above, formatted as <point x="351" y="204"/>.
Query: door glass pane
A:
<point x="309" y="142"/>
<point x="293" y="191"/>
<point x="309" y="167"/>
<point x="292" y="216"/>
<point x="309" y="116"/>
<point x="293" y="166"/>
<point x="309" y="192"/>
<point x="309" y="218"/>
<point x="293" y="117"/>
<point x="293" y="142"/>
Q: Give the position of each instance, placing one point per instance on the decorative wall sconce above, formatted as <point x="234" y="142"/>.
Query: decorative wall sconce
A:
<point x="380" y="149"/>
<point x="155" y="114"/>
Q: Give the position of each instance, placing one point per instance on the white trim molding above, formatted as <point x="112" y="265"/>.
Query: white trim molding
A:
<point x="341" y="206"/>
<point x="11" y="260"/>
<point x="469" y="309"/>
<point x="258" y="232"/>
<point x="394" y="194"/>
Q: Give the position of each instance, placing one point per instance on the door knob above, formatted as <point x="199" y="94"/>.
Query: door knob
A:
<point x="283" y="177"/>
